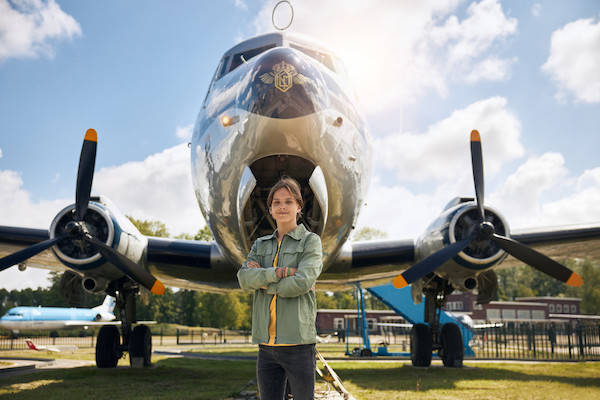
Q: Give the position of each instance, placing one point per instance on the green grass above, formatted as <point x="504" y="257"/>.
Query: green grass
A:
<point x="180" y="378"/>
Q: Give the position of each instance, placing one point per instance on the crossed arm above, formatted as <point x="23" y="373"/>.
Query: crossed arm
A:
<point x="284" y="281"/>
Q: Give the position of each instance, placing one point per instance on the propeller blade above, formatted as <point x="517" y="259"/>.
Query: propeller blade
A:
<point x="430" y="263"/>
<point x="27" y="253"/>
<point x="538" y="260"/>
<point x="477" y="164"/>
<point x="85" y="174"/>
<point x="128" y="267"/>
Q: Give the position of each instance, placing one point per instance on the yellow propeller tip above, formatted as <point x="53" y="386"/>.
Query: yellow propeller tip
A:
<point x="475" y="136"/>
<point x="91" y="135"/>
<point x="158" y="288"/>
<point x="399" y="282"/>
<point x="574" y="280"/>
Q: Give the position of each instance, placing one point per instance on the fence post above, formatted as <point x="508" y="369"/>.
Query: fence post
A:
<point x="177" y="335"/>
<point x="580" y="339"/>
<point x="569" y="332"/>
<point x="533" y="339"/>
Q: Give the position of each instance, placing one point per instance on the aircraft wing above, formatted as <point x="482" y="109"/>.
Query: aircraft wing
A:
<point x="91" y="323"/>
<point x="13" y="239"/>
<point x="374" y="262"/>
<point x="571" y="241"/>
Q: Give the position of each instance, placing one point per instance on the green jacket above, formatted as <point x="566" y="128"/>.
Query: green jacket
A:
<point x="296" y="300"/>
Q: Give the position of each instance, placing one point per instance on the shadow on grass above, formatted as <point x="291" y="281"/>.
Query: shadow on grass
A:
<point x="175" y="378"/>
<point x="405" y="378"/>
<point x="187" y="378"/>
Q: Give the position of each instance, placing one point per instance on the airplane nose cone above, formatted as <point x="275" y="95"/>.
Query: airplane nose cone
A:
<point x="285" y="84"/>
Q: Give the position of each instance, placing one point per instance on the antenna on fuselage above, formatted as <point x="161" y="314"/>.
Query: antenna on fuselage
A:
<point x="282" y="27"/>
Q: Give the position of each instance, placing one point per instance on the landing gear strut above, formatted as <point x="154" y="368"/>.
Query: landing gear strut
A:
<point x="426" y="338"/>
<point x="137" y="341"/>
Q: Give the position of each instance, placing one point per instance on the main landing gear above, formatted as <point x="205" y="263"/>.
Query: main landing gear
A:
<point x="112" y="344"/>
<point x="426" y="338"/>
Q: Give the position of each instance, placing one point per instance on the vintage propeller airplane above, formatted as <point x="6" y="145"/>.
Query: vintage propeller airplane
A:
<point x="278" y="104"/>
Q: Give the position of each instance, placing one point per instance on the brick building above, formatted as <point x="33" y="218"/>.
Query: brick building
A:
<point x="331" y="320"/>
<point x="523" y="309"/>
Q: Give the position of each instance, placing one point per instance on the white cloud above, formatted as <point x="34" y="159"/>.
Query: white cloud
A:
<point x="157" y="188"/>
<point x="185" y="132"/>
<point x="442" y="151"/>
<point x="574" y="61"/>
<point x="18" y="209"/>
<point x="0" y="153"/>
<point x="241" y="4"/>
<point x="536" y="9"/>
<point x="522" y="194"/>
<point x="28" y="27"/>
<point x="396" y="55"/>
<point x="528" y="196"/>
<point x="491" y="69"/>
<point x="397" y="211"/>
<point x="527" y="199"/>
<point x="486" y="23"/>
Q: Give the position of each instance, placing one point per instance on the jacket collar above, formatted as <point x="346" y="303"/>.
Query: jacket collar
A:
<point x="296" y="234"/>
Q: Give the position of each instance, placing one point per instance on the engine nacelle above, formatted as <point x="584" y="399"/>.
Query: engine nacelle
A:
<point x="458" y="221"/>
<point x="106" y="223"/>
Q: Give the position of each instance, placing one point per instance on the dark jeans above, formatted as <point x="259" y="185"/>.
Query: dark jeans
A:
<point x="275" y="363"/>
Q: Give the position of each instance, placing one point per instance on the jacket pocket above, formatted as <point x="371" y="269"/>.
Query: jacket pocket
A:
<point x="265" y="253"/>
<point x="290" y="256"/>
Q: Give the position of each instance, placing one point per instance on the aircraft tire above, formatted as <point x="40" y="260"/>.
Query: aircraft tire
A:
<point x="140" y="346"/>
<point x="420" y="345"/>
<point x="453" y="350"/>
<point x="107" y="347"/>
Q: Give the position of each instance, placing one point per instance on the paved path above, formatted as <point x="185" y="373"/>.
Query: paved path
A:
<point x="19" y="366"/>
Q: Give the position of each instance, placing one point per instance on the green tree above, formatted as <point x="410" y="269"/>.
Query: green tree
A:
<point x="226" y="311"/>
<point x="326" y="300"/>
<point x="150" y="228"/>
<point x="589" y="291"/>
<point x="203" y="234"/>
<point x="368" y="233"/>
<point x="189" y="307"/>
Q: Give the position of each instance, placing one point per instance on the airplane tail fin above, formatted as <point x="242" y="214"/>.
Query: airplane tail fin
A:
<point x="108" y="305"/>
<point x="31" y="345"/>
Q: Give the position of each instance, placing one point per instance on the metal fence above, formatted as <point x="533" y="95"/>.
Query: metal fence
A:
<point x="525" y="341"/>
<point x="506" y="342"/>
<point x="212" y="336"/>
<point x="538" y="342"/>
<point x="18" y="343"/>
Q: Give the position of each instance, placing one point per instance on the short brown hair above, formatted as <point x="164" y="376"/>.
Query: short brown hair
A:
<point x="290" y="184"/>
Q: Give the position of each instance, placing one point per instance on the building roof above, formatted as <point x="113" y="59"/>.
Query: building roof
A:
<point x="516" y="303"/>
<point x="353" y="311"/>
<point x="549" y="298"/>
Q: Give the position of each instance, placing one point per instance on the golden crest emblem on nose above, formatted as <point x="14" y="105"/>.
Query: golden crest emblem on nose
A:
<point x="284" y="76"/>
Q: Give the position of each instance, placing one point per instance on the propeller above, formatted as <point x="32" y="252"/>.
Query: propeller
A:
<point x="22" y="255"/>
<point x="485" y="231"/>
<point x="77" y="229"/>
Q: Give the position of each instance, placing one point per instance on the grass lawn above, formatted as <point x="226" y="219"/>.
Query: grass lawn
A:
<point x="180" y="378"/>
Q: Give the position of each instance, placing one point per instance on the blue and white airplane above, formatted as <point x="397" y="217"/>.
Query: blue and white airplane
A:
<point x="39" y="318"/>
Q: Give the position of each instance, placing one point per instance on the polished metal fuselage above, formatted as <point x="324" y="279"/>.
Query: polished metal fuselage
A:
<point x="330" y="135"/>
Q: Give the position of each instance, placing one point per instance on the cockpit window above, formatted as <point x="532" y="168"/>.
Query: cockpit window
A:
<point x="15" y="314"/>
<point x="323" y="58"/>
<point x="222" y="68"/>
<point x="239" y="58"/>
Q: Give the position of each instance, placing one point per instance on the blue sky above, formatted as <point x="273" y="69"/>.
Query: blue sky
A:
<point x="525" y="73"/>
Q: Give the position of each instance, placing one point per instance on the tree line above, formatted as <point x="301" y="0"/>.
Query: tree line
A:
<point x="233" y="310"/>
